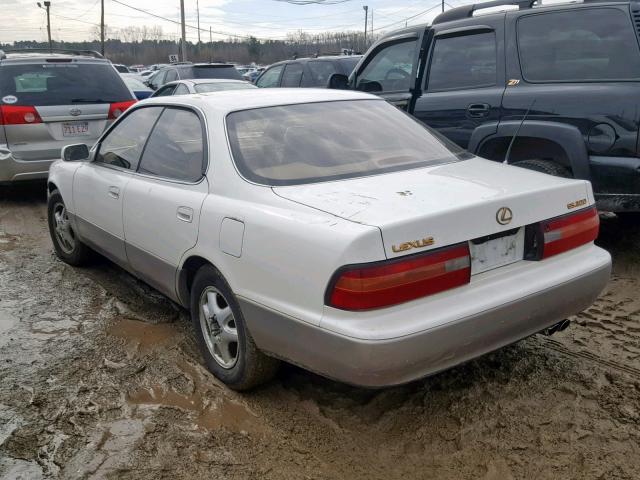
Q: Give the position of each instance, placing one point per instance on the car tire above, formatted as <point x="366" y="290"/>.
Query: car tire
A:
<point x="66" y="244"/>
<point x="545" y="166"/>
<point x="217" y="318"/>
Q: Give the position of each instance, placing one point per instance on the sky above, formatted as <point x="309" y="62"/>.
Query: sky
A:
<point x="266" y="19"/>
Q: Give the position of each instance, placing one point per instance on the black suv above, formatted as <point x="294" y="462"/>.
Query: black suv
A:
<point x="306" y="72"/>
<point x="572" y="71"/>
<point x="182" y="71"/>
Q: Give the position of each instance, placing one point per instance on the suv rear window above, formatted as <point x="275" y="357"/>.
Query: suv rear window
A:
<point x="212" y="71"/>
<point x="578" y="45"/>
<point x="295" y="144"/>
<point x="65" y="83"/>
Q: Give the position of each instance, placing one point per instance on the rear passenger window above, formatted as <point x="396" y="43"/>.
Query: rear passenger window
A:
<point x="580" y="45"/>
<point x="175" y="149"/>
<point x="181" y="90"/>
<point x="292" y="75"/>
<point x="123" y="145"/>
<point x="320" y="73"/>
<point x="463" y="62"/>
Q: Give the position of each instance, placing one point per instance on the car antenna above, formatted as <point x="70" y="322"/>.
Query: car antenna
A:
<point x="515" y="135"/>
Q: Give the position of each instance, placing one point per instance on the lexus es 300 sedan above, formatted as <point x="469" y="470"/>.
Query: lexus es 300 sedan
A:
<point x="328" y="229"/>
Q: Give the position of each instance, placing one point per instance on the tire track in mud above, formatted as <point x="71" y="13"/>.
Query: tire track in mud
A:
<point x="561" y="348"/>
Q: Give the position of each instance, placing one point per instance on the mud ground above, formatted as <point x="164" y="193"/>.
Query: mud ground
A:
<point x="100" y="378"/>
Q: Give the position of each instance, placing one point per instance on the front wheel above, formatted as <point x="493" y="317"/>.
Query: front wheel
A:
<point x="66" y="244"/>
<point x="225" y="341"/>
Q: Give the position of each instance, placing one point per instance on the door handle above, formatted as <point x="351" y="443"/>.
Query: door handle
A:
<point x="185" y="214"/>
<point x="478" y="110"/>
<point x="114" y="192"/>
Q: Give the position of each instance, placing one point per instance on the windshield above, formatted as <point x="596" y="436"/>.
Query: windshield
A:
<point x="220" y="86"/>
<point x="135" y="84"/>
<point x="62" y="84"/>
<point x="296" y="144"/>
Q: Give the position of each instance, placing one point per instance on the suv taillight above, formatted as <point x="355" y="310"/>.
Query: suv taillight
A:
<point x="117" y="109"/>
<point x="382" y="284"/>
<point x="18" y="115"/>
<point x="570" y="231"/>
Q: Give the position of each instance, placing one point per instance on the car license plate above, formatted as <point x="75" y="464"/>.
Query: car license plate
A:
<point x="75" y="129"/>
<point x="497" y="252"/>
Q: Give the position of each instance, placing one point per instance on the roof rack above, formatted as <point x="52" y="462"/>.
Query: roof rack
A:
<point x="466" y="11"/>
<point x="86" y="53"/>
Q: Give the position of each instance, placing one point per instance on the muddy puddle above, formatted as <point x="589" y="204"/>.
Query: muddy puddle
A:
<point x="142" y="337"/>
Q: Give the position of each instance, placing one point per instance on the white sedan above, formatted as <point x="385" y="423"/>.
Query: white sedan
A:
<point x="329" y="229"/>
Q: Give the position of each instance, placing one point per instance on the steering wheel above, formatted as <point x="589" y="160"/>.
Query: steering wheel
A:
<point x="403" y="74"/>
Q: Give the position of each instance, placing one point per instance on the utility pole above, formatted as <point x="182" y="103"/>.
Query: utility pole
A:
<point x="198" y="12"/>
<point x="443" y="6"/>
<point x="366" y="24"/>
<point x="47" y="6"/>
<point x="102" y="27"/>
<point x="184" y="33"/>
<point x="372" y="24"/>
<point x="210" y="45"/>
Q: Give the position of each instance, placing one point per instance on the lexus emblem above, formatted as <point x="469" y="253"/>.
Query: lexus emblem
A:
<point x="504" y="216"/>
<point x="75" y="112"/>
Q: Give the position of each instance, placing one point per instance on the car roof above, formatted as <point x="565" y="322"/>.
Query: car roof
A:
<point x="29" y="57"/>
<point x="232" y="100"/>
<point x="310" y="59"/>
<point x="198" y="81"/>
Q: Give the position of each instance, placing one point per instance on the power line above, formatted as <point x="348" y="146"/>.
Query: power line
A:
<point x="178" y="23"/>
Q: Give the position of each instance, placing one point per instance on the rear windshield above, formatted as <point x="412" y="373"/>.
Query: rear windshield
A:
<point x="220" y="86"/>
<point x="61" y="84"/>
<point x="349" y="64"/>
<point x="295" y="144"/>
<point x="216" y="72"/>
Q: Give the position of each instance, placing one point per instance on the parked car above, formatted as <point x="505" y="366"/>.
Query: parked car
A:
<point x="203" y="85"/>
<point x="191" y="71"/>
<point x="139" y="89"/>
<point x="253" y="75"/>
<point x="49" y="99"/>
<point x="306" y="72"/>
<point x="572" y="69"/>
<point x="365" y="248"/>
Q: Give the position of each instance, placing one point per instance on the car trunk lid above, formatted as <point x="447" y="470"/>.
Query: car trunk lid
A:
<point x="422" y="209"/>
<point x="60" y="125"/>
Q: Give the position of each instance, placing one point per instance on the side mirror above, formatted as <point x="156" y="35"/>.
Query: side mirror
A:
<point x="370" y="87"/>
<point x="338" y="81"/>
<point x="75" y="153"/>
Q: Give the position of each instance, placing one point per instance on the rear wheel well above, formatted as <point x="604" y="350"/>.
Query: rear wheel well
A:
<point x="188" y="274"/>
<point x="525" y="148"/>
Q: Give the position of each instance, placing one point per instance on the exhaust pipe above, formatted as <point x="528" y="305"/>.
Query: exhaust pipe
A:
<point x="558" y="327"/>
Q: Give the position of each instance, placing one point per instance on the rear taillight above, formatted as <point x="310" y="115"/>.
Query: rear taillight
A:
<point x="117" y="109"/>
<point x="18" y="115"/>
<point x="570" y="231"/>
<point x="382" y="284"/>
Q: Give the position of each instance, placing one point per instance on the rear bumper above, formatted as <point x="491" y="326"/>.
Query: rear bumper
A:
<point x="383" y="362"/>
<point x="616" y="183"/>
<point x="12" y="170"/>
